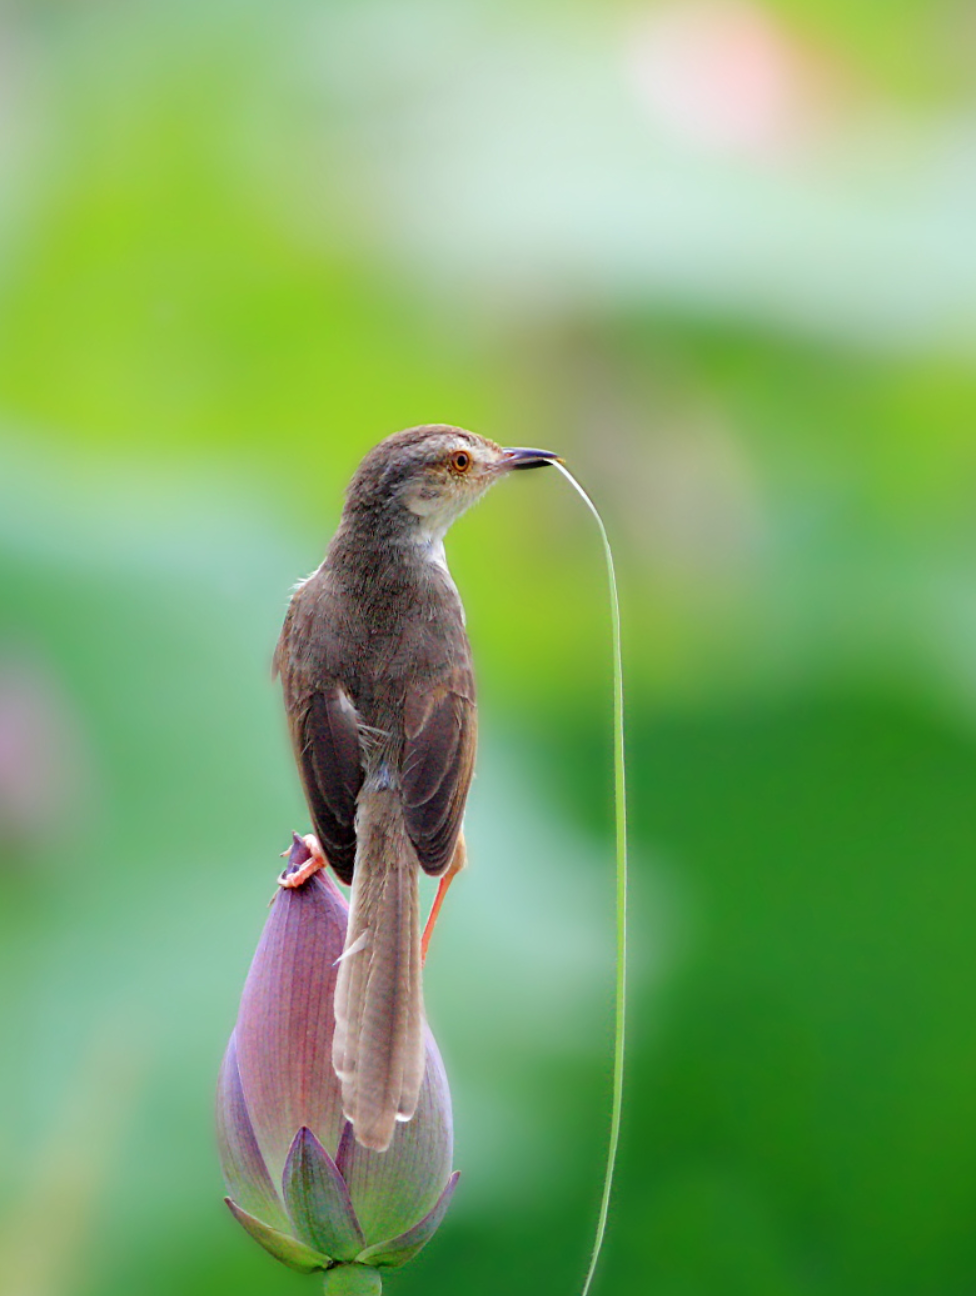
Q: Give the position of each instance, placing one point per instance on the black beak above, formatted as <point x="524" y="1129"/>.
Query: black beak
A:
<point x="520" y="457"/>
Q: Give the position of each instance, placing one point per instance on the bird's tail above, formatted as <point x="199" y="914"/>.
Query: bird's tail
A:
<point x="378" y="1048"/>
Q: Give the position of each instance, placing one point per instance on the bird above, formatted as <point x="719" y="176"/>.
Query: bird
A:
<point x="379" y="693"/>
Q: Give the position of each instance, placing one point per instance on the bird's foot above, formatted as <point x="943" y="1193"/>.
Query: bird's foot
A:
<point x="305" y="857"/>
<point x="454" y="868"/>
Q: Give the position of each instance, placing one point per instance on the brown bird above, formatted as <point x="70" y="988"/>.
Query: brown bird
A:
<point x="379" y="690"/>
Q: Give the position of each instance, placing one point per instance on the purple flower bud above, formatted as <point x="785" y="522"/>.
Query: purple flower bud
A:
<point x="298" y="1181"/>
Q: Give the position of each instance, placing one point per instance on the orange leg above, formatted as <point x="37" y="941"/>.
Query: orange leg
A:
<point x="305" y="858"/>
<point x="458" y="861"/>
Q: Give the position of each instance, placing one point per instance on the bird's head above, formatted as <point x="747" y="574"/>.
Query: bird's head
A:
<point x="422" y="479"/>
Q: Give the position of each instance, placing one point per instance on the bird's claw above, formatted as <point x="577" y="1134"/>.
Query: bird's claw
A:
<point x="305" y="857"/>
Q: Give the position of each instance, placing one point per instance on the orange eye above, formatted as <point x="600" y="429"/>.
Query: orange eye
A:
<point x="460" y="461"/>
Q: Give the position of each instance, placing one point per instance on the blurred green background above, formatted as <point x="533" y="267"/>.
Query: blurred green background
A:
<point x="721" y="255"/>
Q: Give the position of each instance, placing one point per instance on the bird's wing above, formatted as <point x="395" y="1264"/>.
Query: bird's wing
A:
<point x="324" y="725"/>
<point x="440" y="732"/>
<point x="326" y="736"/>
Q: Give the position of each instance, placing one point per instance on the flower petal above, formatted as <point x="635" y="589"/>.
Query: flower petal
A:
<point x="245" y="1173"/>
<point x="318" y="1200"/>
<point x="396" y="1252"/>
<point x="347" y="1142"/>
<point x="284" y="1030"/>
<point x="296" y="1255"/>
<point x="394" y="1189"/>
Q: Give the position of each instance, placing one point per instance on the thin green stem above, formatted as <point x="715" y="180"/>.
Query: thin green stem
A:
<point x="620" y="824"/>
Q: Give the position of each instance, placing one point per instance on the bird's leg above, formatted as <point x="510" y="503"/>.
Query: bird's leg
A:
<point x="458" y="861"/>
<point x="305" y="857"/>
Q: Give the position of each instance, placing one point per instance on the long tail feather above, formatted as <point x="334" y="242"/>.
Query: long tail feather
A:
<point x="378" y="1048"/>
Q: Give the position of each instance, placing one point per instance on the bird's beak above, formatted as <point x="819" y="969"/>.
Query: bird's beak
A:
<point x="520" y="457"/>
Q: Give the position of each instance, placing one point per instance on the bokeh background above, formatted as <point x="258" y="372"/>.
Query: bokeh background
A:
<point x="721" y="255"/>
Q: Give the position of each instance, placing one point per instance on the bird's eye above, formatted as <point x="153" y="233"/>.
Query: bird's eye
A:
<point x="460" y="461"/>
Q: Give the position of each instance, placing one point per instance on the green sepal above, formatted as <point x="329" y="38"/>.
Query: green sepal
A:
<point x="318" y="1200"/>
<point x="294" y="1254"/>
<point x="397" y="1251"/>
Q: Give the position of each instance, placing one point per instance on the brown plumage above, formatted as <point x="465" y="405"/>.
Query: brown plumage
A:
<point x="379" y="691"/>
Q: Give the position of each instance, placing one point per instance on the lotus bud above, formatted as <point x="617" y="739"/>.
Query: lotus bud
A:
<point x="297" y="1180"/>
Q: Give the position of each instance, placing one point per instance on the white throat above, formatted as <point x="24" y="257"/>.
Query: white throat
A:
<point x="430" y="542"/>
